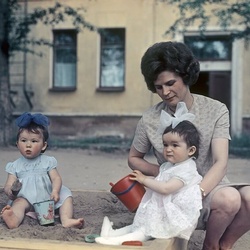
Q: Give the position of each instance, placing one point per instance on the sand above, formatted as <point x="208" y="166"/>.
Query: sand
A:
<point x="95" y="203"/>
<point x="92" y="206"/>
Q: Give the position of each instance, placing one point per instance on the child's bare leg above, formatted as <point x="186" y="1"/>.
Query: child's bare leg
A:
<point x="13" y="216"/>
<point x="66" y="215"/>
<point x="118" y="240"/>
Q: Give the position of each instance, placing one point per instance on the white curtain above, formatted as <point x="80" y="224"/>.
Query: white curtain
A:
<point x="65" y="75"/>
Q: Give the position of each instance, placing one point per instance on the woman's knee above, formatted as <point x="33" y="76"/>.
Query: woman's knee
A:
<point x="227" y="199"/>
<point x="245" y="196"/>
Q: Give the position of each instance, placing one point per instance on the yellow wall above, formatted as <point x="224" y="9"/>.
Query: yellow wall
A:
<point x="246" y="84"/>
<point x="140" y="20"/>
<point x="146" y="22"/>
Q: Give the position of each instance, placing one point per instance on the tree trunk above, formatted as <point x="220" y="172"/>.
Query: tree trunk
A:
<point x="5" y="102"/>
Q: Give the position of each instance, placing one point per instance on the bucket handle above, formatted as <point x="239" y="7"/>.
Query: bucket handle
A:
<point x="126" y="191"/>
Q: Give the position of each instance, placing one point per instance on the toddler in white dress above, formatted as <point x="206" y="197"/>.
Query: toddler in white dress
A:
<point x="38" y="175"/>
<point x="172" y="202"/>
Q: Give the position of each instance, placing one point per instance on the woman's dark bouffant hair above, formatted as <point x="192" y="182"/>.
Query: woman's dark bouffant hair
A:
<point x="188" y="132"/>
<point x="175" y="57"/>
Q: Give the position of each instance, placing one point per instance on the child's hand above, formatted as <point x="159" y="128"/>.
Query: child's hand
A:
<point x="9" y="193"/>
<point x="16" y="187"/>
<point x="137" y="175"/>
<point x="55" y="196"/>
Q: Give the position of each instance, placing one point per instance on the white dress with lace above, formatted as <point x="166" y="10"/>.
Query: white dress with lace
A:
<point x="175" y="215"/>
<point x="36" y="183"/>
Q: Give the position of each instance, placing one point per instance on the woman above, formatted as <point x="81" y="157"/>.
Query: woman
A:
<point x="169" y="69"/>
<point x="175" y="190"/>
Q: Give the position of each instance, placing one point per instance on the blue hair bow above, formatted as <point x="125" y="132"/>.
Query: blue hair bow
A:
<point x="26" y="119"/>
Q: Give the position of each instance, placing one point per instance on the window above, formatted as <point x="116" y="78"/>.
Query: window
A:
<point x="210" y="47"/>
<point x="64" y="67"/>
<point x="112" y="59"/>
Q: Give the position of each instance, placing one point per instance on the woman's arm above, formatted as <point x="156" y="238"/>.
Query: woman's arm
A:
<point x="136" y="161"/>
<point x="56" y="181"/>
<point x="162" y="187"/>
<point x="219" y="150"/>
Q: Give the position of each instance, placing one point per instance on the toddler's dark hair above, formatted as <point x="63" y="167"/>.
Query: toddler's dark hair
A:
<point x="188" y="132"/>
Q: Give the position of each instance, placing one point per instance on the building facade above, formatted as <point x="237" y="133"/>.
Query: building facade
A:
<point x="89" y="83"/>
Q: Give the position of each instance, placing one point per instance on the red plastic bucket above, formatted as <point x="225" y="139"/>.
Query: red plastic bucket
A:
<point x="128" y="192"/>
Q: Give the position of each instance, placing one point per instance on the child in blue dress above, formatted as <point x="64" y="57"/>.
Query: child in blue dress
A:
<point x="37" y="174"/>
<point x="172" y="202"/>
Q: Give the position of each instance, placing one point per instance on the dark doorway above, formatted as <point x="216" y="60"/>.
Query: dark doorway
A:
<point x="215" y="84"/>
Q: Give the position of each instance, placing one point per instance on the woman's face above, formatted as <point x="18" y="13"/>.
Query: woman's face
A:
<point x="171" y="89"/>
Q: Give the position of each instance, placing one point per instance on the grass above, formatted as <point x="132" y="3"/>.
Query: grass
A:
<point x="239" y="146"/>
<point x="105" y="143"/>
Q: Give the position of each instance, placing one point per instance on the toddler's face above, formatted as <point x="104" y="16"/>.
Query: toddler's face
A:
<point x="175" y="148"/>
<point x="30" y="144"/>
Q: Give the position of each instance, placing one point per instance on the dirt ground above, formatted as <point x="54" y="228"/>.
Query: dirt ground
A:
<point x="92" y="206"/>
<point x="88" y="174"/>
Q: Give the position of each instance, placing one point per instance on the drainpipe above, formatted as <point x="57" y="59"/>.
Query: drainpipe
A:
<point x="153" y="35"/>
<point x="25" y="91"/>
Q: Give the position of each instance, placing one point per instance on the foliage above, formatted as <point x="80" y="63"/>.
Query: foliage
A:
<point x="20" y="23"/>
<point x="239" y="146"/>
<point x="15" y="35"/>
<point x="231" y="15"/>
<point x="103" y="143"/>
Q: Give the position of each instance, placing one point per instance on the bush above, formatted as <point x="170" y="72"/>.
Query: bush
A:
<point x="240" y="146"/>
<point x="103" y="143"/>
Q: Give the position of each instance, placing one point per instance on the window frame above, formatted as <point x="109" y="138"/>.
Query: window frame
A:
<point x="118" y="46"/>
<point x="73" y="33"/>
<point x="211" y="37"/>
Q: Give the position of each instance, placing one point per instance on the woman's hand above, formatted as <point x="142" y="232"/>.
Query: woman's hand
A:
<point x="137" y="175"/>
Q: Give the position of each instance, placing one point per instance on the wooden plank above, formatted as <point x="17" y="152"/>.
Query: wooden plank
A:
<point x="31" y="244"/>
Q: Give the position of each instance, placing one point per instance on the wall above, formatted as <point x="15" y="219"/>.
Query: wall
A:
<point x="146" y="22"/>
